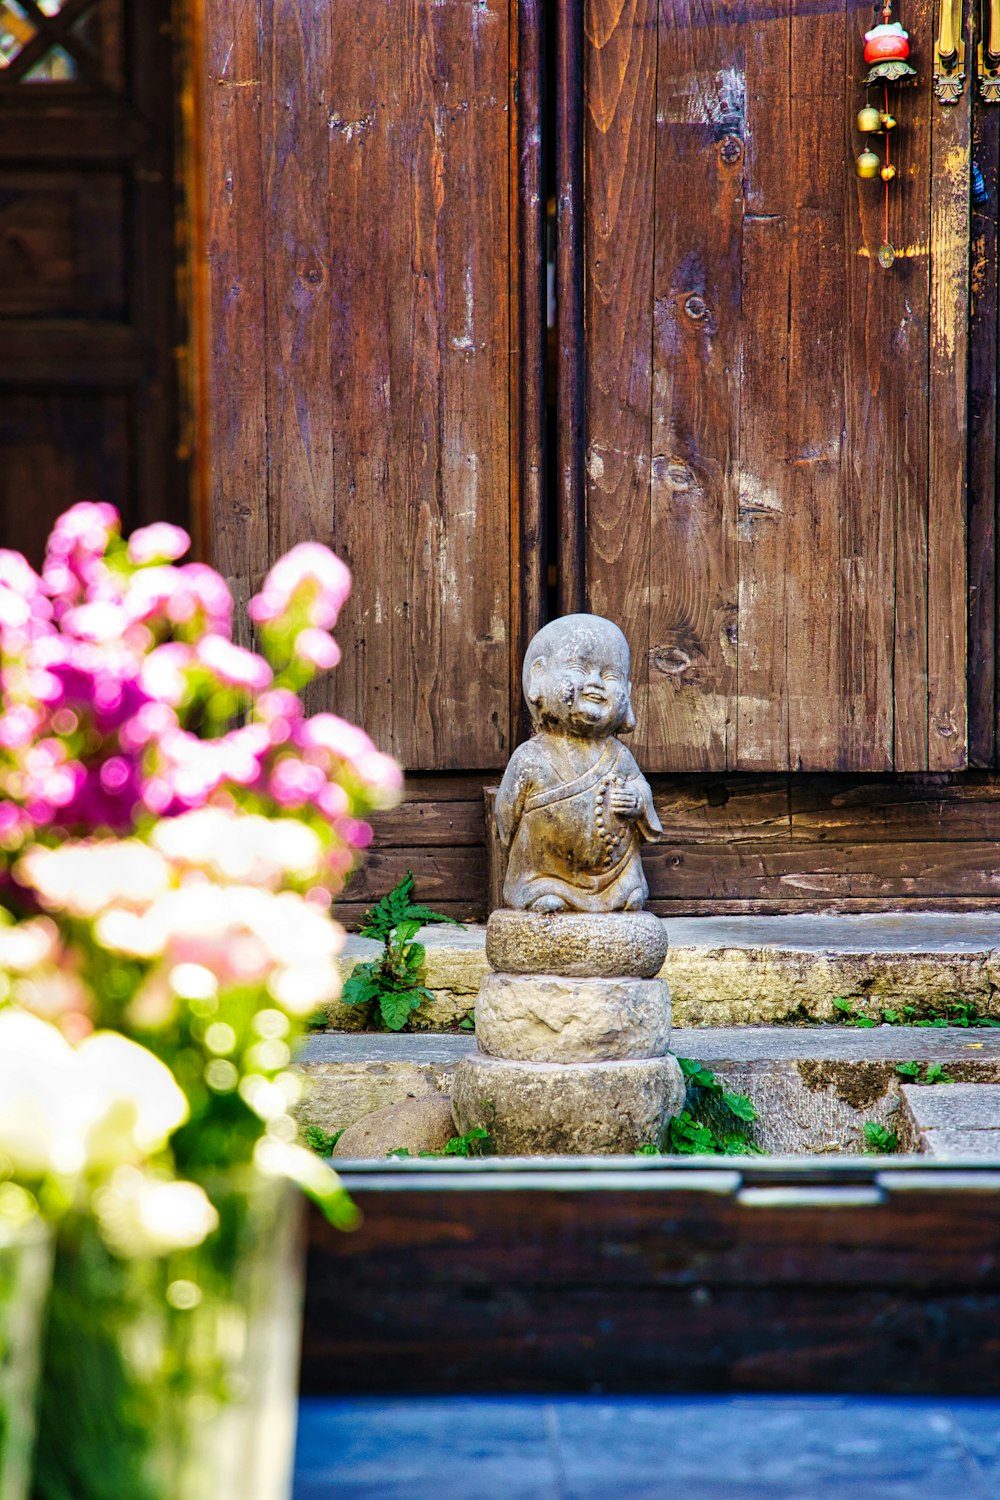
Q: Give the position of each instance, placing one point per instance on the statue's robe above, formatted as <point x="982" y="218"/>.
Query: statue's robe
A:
<point x="563" y="838"/>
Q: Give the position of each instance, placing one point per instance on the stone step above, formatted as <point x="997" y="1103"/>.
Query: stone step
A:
<point x="814" y="1087"/>
<point x="951" y="1120"/>
<point x="733" y="971"/>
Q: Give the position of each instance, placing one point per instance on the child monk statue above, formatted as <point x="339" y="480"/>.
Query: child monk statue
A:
<point x="573" y="808"/>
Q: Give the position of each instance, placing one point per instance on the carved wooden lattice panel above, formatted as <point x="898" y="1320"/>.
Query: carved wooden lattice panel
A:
<point x="61" y="42"/>
<point x="775" y="425"/>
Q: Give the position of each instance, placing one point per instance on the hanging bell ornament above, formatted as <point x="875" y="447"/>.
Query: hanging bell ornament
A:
<point x="887" y="122"/>
<point x="888" y="172"/>
<point x="867" y="164"/>
<point x="869" y="120"/>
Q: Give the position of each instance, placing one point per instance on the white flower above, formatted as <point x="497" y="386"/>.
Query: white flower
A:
<point x="37" y="1067"/>
<point x="26" y="945"/>
<point x="88" y="877"/>
<point x="128" y="1101"/>
<point x="142" y="1215"/>
<point x="240" y="848"/>
<point x="62" y="1111"/>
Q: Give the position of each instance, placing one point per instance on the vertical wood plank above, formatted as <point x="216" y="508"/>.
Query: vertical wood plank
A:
<point x="421" y="346"/>
<point x="570" y="129"/>
<point x="528" y="274"/>
<point x="817" y="687"/>
<point x="233" y="207"/>
<point x="897" y="416"/>
<point x="296" y="50"/>
<point x="947" y="729"/>
<point x="697" y="339"/>
<point x="762" y="709"/>
<point x="359" y="125"/>
<point x="619" y="129"/>
<point x="983" y="445"/>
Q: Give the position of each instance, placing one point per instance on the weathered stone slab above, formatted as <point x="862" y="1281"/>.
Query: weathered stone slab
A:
<point x="951" y="1119"/>
<point x="601" y="1109"/>
<point x="580" y="944"/>
<point x="814" y="1088"/>
<point x="726" y="971"/>
<point x="414" y="1125"/>
<point x="545" y="1018"/>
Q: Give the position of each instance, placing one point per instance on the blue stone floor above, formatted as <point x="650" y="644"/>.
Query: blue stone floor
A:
<point x="648" y="1448"/>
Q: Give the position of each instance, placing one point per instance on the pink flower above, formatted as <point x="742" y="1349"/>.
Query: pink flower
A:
<point x="233" y="665"/>
<point x="317" y="648"/>
<point x="164" y="672"/>
<point x="328" y="732"/>
<point x="311" y="573"/>
<point x="159" y="543"/>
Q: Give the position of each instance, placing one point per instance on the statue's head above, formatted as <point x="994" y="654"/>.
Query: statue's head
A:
<point x="576" y="677"/>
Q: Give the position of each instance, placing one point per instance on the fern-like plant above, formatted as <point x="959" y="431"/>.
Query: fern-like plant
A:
<point x="394" y="980"/>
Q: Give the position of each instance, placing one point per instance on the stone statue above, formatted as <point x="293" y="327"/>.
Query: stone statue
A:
<point x="573" y="807"/>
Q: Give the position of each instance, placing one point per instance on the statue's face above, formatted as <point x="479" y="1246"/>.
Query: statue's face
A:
<point x="584" y="686"/>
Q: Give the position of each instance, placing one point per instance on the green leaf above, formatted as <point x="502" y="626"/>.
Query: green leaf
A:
<point x="879" y="1141"/>
<point x="405" y="931"/>
<point x="650" y="1149"/>
<point x="414" y="957"/>
<point x="865" y="1022"/>
<point x="846" y="1007"/>
<point x="937" y="1074"/>
<point x="739" y="1105"/>
<point x="468" y="1023"/>
<point x="908" y="1070"/>
<point x="360" y="986"/>
<point x="396" y="1005"/>
<point x="471" y="1144"/>
<point x="423" y="915"/>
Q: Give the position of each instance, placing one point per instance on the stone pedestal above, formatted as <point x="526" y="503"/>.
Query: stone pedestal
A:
<point x="573" y="1032"/>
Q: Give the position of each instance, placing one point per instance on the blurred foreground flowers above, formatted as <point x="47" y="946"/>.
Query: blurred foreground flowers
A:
<point x="173" y="828"/>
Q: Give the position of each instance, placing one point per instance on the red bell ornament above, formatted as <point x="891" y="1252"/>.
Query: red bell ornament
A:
<point x="887" y="48"/>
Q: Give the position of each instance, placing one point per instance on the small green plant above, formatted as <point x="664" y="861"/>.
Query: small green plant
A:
<point x="468" y="1023"/>
<point x="879" y="1139"/>
<point x="962" y="1013"/>
<point x="474" y="1142"/>
<point x="934" y="1072"/>
<point x="689" y="1135"/>
<point x="850" y="1014"/>
<point x="393" y="980"/>
<point x="317" y="1140"/>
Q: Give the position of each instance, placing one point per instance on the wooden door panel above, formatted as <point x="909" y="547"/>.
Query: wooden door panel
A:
<point x="360" y="218"/>
<point x="775" y="424"/>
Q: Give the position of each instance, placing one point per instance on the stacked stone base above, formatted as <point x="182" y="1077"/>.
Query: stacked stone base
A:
<point x="573" y="1035"/>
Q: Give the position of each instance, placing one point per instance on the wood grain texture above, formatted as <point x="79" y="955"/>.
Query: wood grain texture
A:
<point x="369" y="406"/>
<point x="806" y="537"/>
<point x="982" y="476"/>
<point x="619" y="170"/>
<point x="947" y="707"/>
<point x="697" y="349"/>
<point x="233" y="185"/>
<point x="571" y="217"/>
<point x="465" y="1288"/>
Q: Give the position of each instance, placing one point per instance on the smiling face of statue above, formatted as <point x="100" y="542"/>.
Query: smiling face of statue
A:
<point x="576" y="677"/>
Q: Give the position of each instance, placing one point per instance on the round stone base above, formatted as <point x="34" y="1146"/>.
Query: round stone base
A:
<point x="546" y="1018"/>
<point x="583" y="1109"/>
<point x="581" y="945"/>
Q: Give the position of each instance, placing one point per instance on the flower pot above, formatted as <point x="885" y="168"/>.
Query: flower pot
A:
<point x="174" y="1377"/>
<point x="25" y="1269"/>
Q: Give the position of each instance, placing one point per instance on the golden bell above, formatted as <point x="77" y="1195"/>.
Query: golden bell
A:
<point x="869" y="120"/>
<point x="888" y="172"/>
<point x="867" y="164"/>
<point x="887" y="121"/>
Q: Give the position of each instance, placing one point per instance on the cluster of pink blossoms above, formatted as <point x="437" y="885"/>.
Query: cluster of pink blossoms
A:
<point x="126" y="700"/>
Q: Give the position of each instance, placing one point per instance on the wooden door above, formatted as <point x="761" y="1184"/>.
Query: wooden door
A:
<point x="361" y="192"/>
<point x="774" y="458"/>
<point x="88" y="327"/>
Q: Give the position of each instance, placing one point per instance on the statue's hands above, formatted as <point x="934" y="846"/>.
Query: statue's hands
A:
<point x="625" y="801"/>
